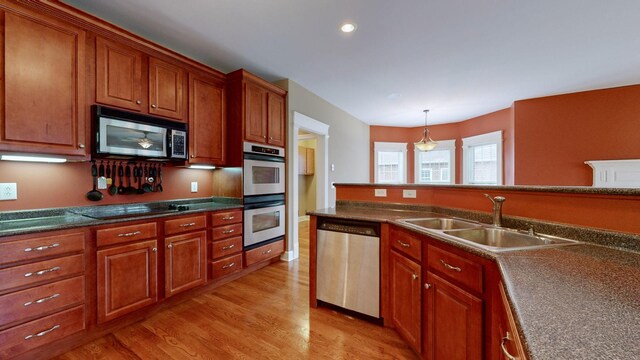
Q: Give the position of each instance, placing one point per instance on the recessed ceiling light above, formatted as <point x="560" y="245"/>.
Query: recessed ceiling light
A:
<point x="348" y="27"/>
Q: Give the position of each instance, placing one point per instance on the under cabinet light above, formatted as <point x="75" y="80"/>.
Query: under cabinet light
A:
<point x="32" y="158"/>
<point x="202" y="167"/>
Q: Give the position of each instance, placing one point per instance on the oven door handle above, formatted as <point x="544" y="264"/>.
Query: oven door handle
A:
<point x="263" y="205"/>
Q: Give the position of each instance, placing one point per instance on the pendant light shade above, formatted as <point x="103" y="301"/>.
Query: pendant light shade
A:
<point x="426" y="144"/>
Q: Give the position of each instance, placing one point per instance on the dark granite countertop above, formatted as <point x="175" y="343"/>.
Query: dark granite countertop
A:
<point x="571" y="302"/>
<point x="34" y="221"/>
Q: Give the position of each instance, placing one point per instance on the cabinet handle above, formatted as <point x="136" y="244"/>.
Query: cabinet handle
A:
<point x="228" y="218"/>
<point x="154" y="249"/>
<point x="450" y="267"/>
<point x="41" y="248"/>
<point x="187" y="225"/>
<point x="427" y="286"/>
<point x="270" y="137"/>
<point x="80" y="146"/>
<point x="228" y="247"/>
<point x="170" y="246"/>
<point x="414" y="276"/>
<point x="404" y="244"/>
<point x="42" y="333"/>
<point x="42" y="272"/>
<point x="130" y="234"/>
<point x="153" y="106"/>
<point x="264" y="136"/>
<point x="228" y="266"/>
<point x="507" y="337"/>
<point x="138" y="102"/>
<point x="228" y="231"/>
<point x="266" y="252"/>
<point x="40" y="301"/>
<point x="193" y="156"/>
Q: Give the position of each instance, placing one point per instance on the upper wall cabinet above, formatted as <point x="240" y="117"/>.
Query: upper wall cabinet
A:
<point x="207" y="123"/>
<point x="42" y="109"/>
<point x="128" y="78"/>
<point x="258" y="107"/>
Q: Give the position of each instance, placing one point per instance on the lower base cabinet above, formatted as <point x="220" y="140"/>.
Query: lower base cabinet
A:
<point x="406" y="298"/>
<point x="263" y="253"/>
<point x="185" y="262"/>
<point x="453" y="317"/>
<point x="505" y="343"/>
<point x="127" y="279"/>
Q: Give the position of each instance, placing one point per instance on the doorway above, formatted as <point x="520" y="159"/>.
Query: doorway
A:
<point x="318" y="132"/>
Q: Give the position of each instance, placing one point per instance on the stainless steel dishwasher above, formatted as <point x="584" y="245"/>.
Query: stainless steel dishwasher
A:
<point x="348" y="265"/>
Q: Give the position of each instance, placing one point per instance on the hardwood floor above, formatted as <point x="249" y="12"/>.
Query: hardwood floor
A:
<point x="264" y="315"/>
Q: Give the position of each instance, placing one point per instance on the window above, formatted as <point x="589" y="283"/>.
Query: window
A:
<point x="436" y="166"/>
<point x="482" y="159"/>
<point x="390" y="162"/>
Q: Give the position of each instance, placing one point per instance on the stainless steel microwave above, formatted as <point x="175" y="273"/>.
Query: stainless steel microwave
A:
<point x="123" y="134"/>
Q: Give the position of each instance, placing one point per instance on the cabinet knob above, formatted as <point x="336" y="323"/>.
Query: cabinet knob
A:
<point x="154" y="249"/>
<point x="192" y="156"/>
<point x="414" y="276"/>
<point x="138" y="102"/>
<point x="264" y="137"/>
<point x="170" y="246"/>
<point x="270" y="137"/>
<point x="153" y="106"/>
<point x="81" y="146"/>
<point x="427" y="286"/>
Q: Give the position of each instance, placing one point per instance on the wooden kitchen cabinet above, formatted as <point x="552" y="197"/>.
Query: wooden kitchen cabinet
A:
<point x="225" y="248"/>
<point x="127" y="278"/>
<point x="43" y="80"/>
<point x="185" y="262"/>
<point x="130" y="79"/>
<point x="306" y="161"/>
<point x="276" y="119"/>
<point x="207" y="120"/>
<point x="505" y="342"/>
<point x="453" y="321"/>
<point x="405" y="299"/>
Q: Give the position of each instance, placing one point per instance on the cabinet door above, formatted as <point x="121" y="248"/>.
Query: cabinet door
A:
<point x="127" y="279"/>
<point x="454" y="322"/>
<point x="405" y="299"/>
<point x="276" y="120"/>
<point x="185" y="262"/>
<point x="166" y="89"/>
<point x="302" y="160"/>
<point x="118" y="75"/>
<point x="42" y="109"/>
<point x="207" y="120"/>
<point x="255" y="113"/>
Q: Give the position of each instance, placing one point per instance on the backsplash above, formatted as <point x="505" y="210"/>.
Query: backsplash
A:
<point x="43" y="186"/>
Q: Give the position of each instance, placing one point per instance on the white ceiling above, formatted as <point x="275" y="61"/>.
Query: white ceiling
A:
<point x="459" y="58"/>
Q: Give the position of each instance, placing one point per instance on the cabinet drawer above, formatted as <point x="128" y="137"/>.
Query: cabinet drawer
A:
<point x="40" y="246"/>
<point x="263" y="253"/>
<point x="22" y="338"/>
<point x="227" y="217"/>
<point x="41" y="271"/>
<point x="185" y="224"/>
<point x="226" y="247"/>
<point x="406" y="243"/>
<point x="456" y="268"/>
<point x="224" y="232"/>
<point x="226" y="266"/>
<point x="124" y="234"/>
<point x="40" y="300"/>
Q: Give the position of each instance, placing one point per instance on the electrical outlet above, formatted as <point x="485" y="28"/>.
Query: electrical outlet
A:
<point x="381" y="192"/>
<point x="409" y="194"/>
<point x="194" y="186"/>
<point x="8" y="191"/>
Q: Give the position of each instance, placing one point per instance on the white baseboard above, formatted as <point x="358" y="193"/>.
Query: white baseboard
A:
<point x="288" y="256"/>
<point x="303" y="218"/>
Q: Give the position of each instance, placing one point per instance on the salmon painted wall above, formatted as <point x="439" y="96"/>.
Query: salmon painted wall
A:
<point x="557" y="134"/>
<point x="499" y="120"/>
<point x="59" y="185"/>
<point x="609" y="212"/>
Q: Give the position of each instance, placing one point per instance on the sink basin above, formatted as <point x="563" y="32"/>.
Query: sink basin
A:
<point x="502" y="239"/>
<point x="441" y="223"/>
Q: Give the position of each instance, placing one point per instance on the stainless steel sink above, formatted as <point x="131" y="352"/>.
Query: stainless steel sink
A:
<point x="441" y="223"/>
<point x="503" y="239"/>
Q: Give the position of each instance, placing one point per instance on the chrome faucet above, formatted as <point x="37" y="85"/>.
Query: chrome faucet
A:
<point x="497" y="209"/>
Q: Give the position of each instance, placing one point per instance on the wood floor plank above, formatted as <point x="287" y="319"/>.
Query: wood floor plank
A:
<point x="264" y="315"/>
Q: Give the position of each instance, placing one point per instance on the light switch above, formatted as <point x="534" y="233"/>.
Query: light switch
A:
<point x="194" y="186"/>
<point x="8" y="191"/>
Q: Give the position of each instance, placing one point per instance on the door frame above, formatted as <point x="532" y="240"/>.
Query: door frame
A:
<point x="321" y="130"/>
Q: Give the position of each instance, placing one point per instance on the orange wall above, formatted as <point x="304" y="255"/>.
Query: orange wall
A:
<point x="59" y="185"/>
<point x="499" y="120"/>
<point x="557" y="134"/>
<point x="609" y="212"/>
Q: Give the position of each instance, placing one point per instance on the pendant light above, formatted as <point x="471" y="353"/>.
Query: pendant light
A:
<point x="426" y="144"/>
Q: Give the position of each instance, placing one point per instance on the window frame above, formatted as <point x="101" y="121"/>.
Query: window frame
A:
<point x="442" y="145"/>
<point x="494" y="137"/>
<point x="379" y="146"/>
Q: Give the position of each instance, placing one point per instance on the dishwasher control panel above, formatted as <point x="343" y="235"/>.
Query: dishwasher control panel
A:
<point x="349" y="226"/>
